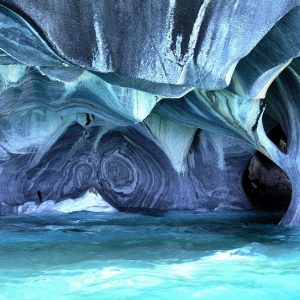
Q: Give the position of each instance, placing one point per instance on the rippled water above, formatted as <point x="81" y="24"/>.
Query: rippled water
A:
<point x="131" y="256"/>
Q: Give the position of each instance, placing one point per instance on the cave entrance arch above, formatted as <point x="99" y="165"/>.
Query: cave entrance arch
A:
<point x="266" y="184"/>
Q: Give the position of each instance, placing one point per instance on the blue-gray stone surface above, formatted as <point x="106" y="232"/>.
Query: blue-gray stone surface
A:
<point x="151" y="104"/>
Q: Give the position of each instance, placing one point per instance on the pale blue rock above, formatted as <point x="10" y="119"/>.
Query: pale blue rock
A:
<point x="152" y="105"/>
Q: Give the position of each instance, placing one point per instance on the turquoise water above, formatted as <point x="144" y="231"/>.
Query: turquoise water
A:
<point x="130" y="256"/>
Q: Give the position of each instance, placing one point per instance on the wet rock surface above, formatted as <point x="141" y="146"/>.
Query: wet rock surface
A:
<point x="157" y="105"/>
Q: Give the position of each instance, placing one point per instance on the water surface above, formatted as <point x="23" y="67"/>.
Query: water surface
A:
<point x="131" y="256"/>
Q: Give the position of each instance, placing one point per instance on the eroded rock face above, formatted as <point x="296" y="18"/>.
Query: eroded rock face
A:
<point x="155" y="105"/>
<point x="129" y="169"/>
<point x="266" y="184"/>
<point x="149" y="44"/>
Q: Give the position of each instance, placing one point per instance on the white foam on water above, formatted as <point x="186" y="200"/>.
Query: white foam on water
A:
<point x="90" y="201"/>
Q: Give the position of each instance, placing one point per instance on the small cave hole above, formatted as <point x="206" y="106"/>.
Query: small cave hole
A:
<point x="279" y="138"/>
<point x="266" y="185"/>
<point x="40" y="196"/>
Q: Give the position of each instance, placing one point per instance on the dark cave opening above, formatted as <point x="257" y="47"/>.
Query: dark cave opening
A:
<point x="266" y="184"/>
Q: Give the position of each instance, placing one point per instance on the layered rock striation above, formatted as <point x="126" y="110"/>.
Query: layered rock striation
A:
<point x="156" y="105"/>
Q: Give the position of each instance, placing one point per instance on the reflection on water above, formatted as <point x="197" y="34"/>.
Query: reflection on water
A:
<point x="131" y="256"/>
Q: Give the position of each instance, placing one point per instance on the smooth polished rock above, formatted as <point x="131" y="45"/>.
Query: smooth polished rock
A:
<point x="187" y="44"/>
<point x="155" y="104"/>
<point x="255" y="73"/>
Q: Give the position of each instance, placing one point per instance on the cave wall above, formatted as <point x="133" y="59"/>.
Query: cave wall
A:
<point x="158" y="105"/>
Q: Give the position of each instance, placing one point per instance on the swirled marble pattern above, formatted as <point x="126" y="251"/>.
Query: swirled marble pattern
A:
<point x="131" y="167"/>
<point x="187" y="44"/>
<point x="151" y="105"/>
<point x="129" y="170"/>
<point x="255" y="73"/>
